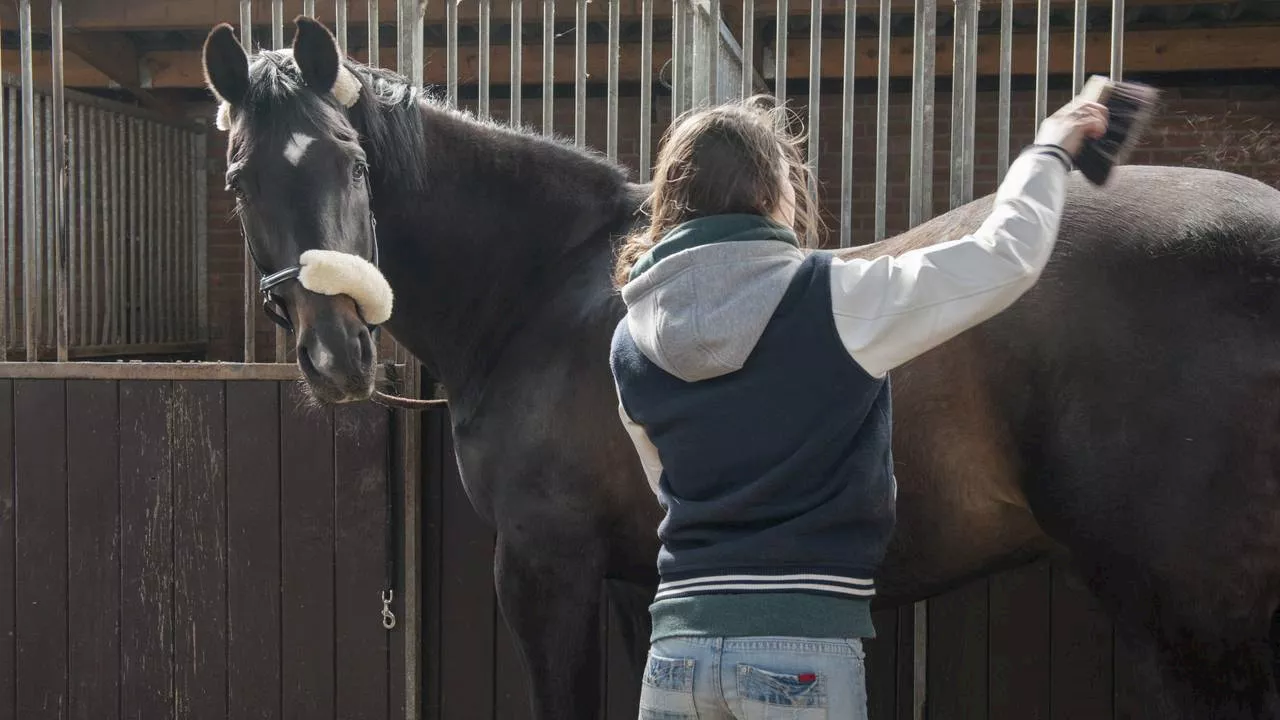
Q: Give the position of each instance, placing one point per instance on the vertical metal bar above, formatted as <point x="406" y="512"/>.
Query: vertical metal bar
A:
<point x="883" y="60"/>
<point x="580" y="73"/>
<point x="615" y="48"/>
<point x="182" y="293"/>
<point x="846" y="124"/>
<point x="517" y="61"/>
<point x="61" y="248"/>
<point x="172" y="305"/>
<point x="44" y="224"/>
<point x="711" y="46"/>
<point x="679" y="46"/>
<point x="309" y="8"/>
<point x="340" y="24"/>
<point x="11" y="290"/>
<point x="963" y="77"/>
<point x="71" y="257"/>
<point x="1117" y="39"/>
<point x="373" y="54"/>
<point x="780" y="51"/>
<point x="749" y="47"/>
<point x="85" y="286"/>
<point x="815" y="88"/>
<point x="201" y="224"/>
<point x="924" y="68"/>
<point x="6" y="240"/>
<point x="1042" y="60"/>
<point x="451" y="49"/>
<point x="120" y="197"/>
<point x="1006" y="89"/>
<point x="277" y="24"/>
<point x="548" y="65"/>
<point x="96" y="143"/>
<point x="409" y="40"/>
<point x="250" y="272"/>
<point x="646" y="88"/>
<point x="137" y="236"/>
<point x="1078" y="50"/>
<point x="486" y="58"/>
<point x="29" y="188"/>
<point x="151" y="240"/>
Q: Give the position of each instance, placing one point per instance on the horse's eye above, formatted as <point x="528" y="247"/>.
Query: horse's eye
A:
<point x="359" y="171"/>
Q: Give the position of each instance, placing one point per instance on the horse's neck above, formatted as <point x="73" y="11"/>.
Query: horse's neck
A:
<point x="503" y="219"/>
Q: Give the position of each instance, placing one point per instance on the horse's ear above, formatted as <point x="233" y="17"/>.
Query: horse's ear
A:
<point x="226" y="66"/>
<point x="316" y="52"/>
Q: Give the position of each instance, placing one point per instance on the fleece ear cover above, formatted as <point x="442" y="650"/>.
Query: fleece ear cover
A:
<point x="330" y="272"/>
<point x="346" y="89"/>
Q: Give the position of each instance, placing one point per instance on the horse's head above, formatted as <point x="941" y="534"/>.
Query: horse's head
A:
<point x="296" y="166"/>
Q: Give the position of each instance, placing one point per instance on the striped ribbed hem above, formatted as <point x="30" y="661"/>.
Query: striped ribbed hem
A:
<point x="787" y="614"/>
<point x="816" y="583"/>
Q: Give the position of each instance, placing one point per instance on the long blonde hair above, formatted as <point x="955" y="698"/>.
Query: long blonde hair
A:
<point x="725" y="159"/>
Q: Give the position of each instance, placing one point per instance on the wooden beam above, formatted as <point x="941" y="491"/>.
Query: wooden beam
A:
<point x="204" y="14"/>
<point x="114" y="55"/>
<point x="1145" y="51"/>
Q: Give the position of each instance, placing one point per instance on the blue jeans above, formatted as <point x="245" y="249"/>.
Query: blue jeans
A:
<point x="754" y="678"/>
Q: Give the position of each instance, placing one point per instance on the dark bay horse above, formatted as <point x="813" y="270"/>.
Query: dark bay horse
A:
<point x="1126" y="411"/>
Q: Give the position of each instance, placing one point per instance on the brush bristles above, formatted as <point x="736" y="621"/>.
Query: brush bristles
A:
<point x="1131" y="108"/>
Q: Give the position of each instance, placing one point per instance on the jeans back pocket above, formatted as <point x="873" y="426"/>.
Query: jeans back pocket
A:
<point x="666" y="692"/>
<point x="769" y="695"/>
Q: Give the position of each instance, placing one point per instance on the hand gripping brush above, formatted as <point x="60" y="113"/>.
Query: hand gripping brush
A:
<point x="1130" y="107"/>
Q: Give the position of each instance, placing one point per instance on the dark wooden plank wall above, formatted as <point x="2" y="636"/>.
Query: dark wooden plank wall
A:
<point x="192" y="549"/>
<point x="1028" y="644"/>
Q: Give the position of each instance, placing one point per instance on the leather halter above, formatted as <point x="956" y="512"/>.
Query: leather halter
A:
<point x="273" y="306"/>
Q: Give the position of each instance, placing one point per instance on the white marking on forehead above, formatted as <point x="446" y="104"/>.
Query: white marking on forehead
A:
<point x="297" y="147"/>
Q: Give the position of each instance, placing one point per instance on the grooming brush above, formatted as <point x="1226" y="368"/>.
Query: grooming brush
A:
<point x="1130" y="107"/>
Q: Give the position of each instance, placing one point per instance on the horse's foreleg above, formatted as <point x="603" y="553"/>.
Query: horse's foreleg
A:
<point x="550" y="598"/>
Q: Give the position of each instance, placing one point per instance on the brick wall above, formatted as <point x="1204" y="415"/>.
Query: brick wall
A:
<point x="1235" y="128"/>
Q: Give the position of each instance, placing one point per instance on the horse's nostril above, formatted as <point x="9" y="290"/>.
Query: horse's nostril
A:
<point x="366" y="348"/>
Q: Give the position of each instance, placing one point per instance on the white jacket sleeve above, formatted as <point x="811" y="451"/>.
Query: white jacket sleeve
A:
<point x="889" y="310"/>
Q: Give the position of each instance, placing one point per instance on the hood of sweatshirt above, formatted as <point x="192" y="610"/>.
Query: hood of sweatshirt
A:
<point x="698" y="302"/>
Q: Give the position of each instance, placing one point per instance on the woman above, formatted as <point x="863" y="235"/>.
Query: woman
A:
<point x="753" y="380"/>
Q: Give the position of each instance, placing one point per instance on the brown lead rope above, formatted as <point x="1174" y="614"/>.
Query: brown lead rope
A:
<point x="404" y="403"/>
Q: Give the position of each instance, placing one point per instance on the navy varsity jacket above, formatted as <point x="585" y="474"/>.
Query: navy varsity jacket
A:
<point x="753" y="380"/>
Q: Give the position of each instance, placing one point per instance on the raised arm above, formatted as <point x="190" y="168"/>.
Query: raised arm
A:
<point x="888" y="309"/>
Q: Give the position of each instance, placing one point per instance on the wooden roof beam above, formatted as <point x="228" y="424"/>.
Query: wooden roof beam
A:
<point x="115" y="56"/>
<point x="1247" y="48"/>
<point x="186" y="14"/>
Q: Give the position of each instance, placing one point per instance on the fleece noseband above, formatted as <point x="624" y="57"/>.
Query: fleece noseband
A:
<point x="329" y="272"/>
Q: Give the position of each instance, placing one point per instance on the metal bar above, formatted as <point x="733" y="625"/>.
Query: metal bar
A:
<point x="615" y="47"/>
<point x="883" y="61"/>
<point x="7" y="240"/>
<point x="1078" y="49"/>
<point x="749" y="47"/>
<point x="1042" y="60"/>
<point x="340" y="25"/>
<point x="309" y="8"/>
<point x="1117" y="39"/>
<point x="486" y="59"/>
<point x="580" y="73"/>
<point x="924" y="66"/>
<point x="11" y="290"/>
<point x="172" y="308"/>
<point x="548" y="65"/>
<point x="277" y="24"/>
<point x="711" y="46"/>
<point x="48" y="223"/>
<point x="451" y="49"/>
<point x="1006" y="89"/>
<point x="119" y="248"/>
<point x="136" y="237"/>
<point x="153" y="371"/>
<point x="186" y="283"/>
<point x="963" y="88"/>
<point x="42" y="212"/>
<point x="84" y="287"/>
<point x="373" y="29"/>
<point x="250" y="272"/>
<point x="646" y="88"/>
<point x="846" y="125"/>
<point x="149" y="244"/>
<point x="97" y="269"/>
<point x="679" y="46"/>
<point x="409" y="40"/>
<point x="815" y="89"/>
<point x="780" y="52"/>
<point x="44" y="86"/>
<point x="201" y="223"/>
<point x="517" y="61"/>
